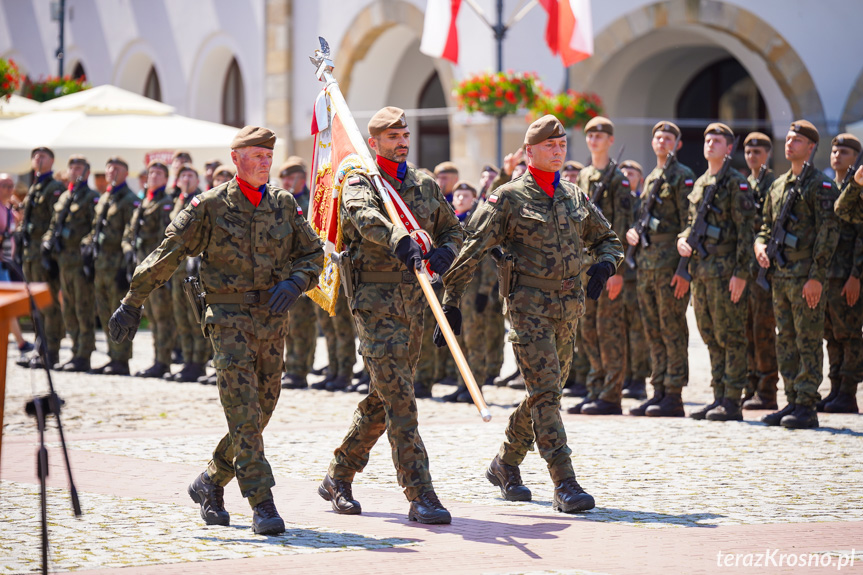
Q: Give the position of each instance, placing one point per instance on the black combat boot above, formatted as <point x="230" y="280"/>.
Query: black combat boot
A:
<point x="577" y="389"/>
<point x="338" y="383"/>
<point x="601" y="407"/>
<point x="517" y="383"/>
<point x="636" y="389"/>
<point x="447" y="380"/>
<point x="702" y="413"/>
<point x="77" y="365"/>
<point x="773" y="419"/>
<point x="508" y="479"/>
<point x="569" y="497"/>
<point x="190" y="372"/>
<point x="158" y="369"/>
<point x="36" y="361"/>
<point x="116" y="368"/>
<point x="760" y="401"/>
<point x="428" y="509"/>
<point x="294" y="381"/>
<point x="576" y="409"/>
<point x="211" y="498"/>
<point x="453" y="397"/>
<point x="671" y="405"/>
<point x="834" y="391"/>
<point x="340" y="495"/>
<point x="803" y="417"/>
<point x="266" y="519"/>
<point x="658" y="394"/>
<point x="844" y="402"/>
<point x="421" y="390"/>
<point x="727" y="410"/>
<point x="323" y="383"/>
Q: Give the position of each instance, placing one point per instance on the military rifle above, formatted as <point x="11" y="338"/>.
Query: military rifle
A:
<point x="22" y="236"/>
<point x="849" y="175"/>
<point x="55" y="243"/>
<point x="700" y="228"/>
<point x="759" y="181"/>
<point x="645" y="218"/>
<point x="605" y="180"/>
<point x="779" y="236"/>
<point x="90" y="252"/>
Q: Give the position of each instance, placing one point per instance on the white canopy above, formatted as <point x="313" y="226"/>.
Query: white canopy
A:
<point x="856" y="128"/>
<point x="17" y="106"/>
<point x="108" y="99"/>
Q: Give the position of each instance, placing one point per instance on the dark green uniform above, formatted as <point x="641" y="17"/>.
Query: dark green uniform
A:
<point x="302" y="330"/>
<point x="849" y="206"/>
<point x="244" y="250"/>
<point x="638" y="359"/>
<point x="387" y="308"/>
<point x="546" y="236"/>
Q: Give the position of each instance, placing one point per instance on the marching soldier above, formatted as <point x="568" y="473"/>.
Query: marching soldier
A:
<point x="720" y="277"/>
<point x="760" y="392"/>
<point x="387" y="305"/>
<point x="663" y="295"/>
<point x="38" y="211"/>
<point x="72" y="221"/>
<point x="798" y="285"/>
<point x="843" y="317"/>
<point x="143" y="234"/>
<point x="257" y="256"/>
<point x="603" y="324"/>
<point x="102" y="254"/>
<point x="543" y="223"/>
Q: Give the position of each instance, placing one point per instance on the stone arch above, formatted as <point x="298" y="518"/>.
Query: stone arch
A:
<point x="853" y="111"/>
<point x="207" y="78"/>
<point x="133" y="66"/>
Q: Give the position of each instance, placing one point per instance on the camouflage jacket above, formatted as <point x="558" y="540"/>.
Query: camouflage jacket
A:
<point x="115" y="209"/>
<point x="303" y="199"/>
<point x="181" y="202"/>
<point x="371" y="238"/>
<point x="243" y="248"/>
<point x="77" y="224"/>
<point x="816" y="228"/>
<point x="761" y="193"/>
<point x="669" y="217"/>
<point x="38" y="211"/>
<point x="546" y="236"/>
<point x="848" y="257"/>
<point x="145" y="230"/>
<point x="485" y="278"/>
<point x="849" y="206"/>
<point x="731" y="254"/>
<point x="616" y="201"/>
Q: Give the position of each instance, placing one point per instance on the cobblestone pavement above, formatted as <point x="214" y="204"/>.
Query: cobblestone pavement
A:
<point x="689" y="488"/>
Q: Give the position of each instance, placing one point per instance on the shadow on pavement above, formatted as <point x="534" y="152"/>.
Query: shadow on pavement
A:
<point x="311" y="538"/>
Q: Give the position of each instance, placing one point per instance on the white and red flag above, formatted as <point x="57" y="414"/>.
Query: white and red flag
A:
<point x="440" y="33"/>
<point x="570" y="29"/>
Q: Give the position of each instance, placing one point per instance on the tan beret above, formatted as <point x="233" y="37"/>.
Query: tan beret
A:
<point x="669" y="127"/>
<point x="757" y="139"/>
<point x="158" y="164"/>
<point x="599" y="124"/>
<point x="227" y="170"/>
<point x="719" y="129"/>
<point x="78" y="159"/>
<point x="117" y="160"/>
<point x="214" y="163"/>
<point x="544" y="129"/>
<point x="464" y="185"/>
<point x="572" y="165"/>
<point x="445" y="167"/>
<point x="292" y="165"/>
<point x="183" y="153"/>
<point x="48" y="151"/>
<point x="187" y="167"/>
<point x="386" y="118"/>
<point x="254" y="136"/>
<point x="806" y="129"/>
<point x="848" y="141"/>
<point x="632" y="164"/>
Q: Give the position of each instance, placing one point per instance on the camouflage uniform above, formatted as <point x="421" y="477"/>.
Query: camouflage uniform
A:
<point x="720" y="321"/>
<point x="113" y="212"/>
<point x="245" y="250"/>
<point x="604" y="324"/>
<point x="78" y="303"/>
<point x="302" y="330"/>
<point x="341" y="340"/>
<point x="663" y="315"/>
<point x="488" y="337"/>
<point x="801" y="329"/>
<point x="637" y="358"/>
<point x="38" y="212"/>
<point x="430" y="367"/>
<point x="546" y="236"/>
<point x="143" y="234"/>
<point x="387" y="308"/>
<point x="849" y="206"/>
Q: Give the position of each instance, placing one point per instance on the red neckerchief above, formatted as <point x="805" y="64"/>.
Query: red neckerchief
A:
<point x="253" y="194"/>
<point x="390" y="167"/>
<point x="152" y="193"/>
<point x="544" y="179"/>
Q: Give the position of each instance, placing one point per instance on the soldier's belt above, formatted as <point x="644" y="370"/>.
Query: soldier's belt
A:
<point x="546" y="284"/>
<point x="721" y="249"/>
<point x="249" y="297"/>
<point x="402" y="277"/>
<point x="656" y="238"/>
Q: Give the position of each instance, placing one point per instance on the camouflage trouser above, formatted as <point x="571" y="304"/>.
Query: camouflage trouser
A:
<point x="79" y="314"/>
<point x="580" y="362"/>
<point x="51" y="315"/>
<point x="196" y="348"/>
<point x="761" y="342"/>
<point x="160" y="312"/>
<point x="721" y="324"/>
<point x="302" y="337"/>
<point x="842" y="330"/>
<point x="249" y="373"/>
<point x="339" y="335"/>
<point x="108" y="298"/>
<point x="664" y="319"/>
<point x="799" y="341"/>
<point x="430" y="367"/>
<point x="390" y="347"/>
<point x="604" y="333"/>
<point x="543" y="352"/>
<point x="492" y="339"/>
<point x="637" y="365"/>
<point x="472" y="334"/>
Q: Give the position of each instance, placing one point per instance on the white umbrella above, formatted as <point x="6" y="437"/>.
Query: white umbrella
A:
<point x="856" y="128"/>
<point x="17" y="106"/>
<point x="108" y="99"/>
<point x="14" y="154"/>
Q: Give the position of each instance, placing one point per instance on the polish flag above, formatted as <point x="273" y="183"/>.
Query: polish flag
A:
<point x="569" y="31"/>
<point x="440" y="34"/>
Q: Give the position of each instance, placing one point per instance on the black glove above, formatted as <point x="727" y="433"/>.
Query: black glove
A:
<point x="599" y="274"/>
<point x="481" y="302"/>
<point x="124" y="323"/>
<point x="453" y="316"/>
<point x="440" y="259"/>
<point x="88" y="262"/>
<point x="408" y="252"/>
<point x="48" y="261"/>
<point x="283" y="295"/>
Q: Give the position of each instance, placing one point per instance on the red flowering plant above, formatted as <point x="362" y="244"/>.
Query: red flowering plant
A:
<point x="54" y="87"/>
<point x="497" y="94"/>
<point x="573" y="109"/>
<point x="10" y="78"/>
